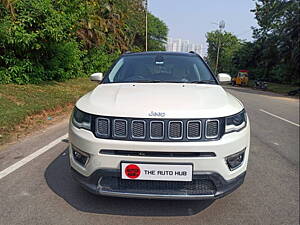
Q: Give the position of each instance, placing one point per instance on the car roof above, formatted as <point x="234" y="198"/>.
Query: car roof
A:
<point x="160" y="52"/>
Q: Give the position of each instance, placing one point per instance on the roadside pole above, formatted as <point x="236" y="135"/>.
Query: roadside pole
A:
<point x="146" y="24"/>
<point x="221" y="26"/>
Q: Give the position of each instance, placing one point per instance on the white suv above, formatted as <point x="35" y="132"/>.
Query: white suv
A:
<point x="159" y="125"/>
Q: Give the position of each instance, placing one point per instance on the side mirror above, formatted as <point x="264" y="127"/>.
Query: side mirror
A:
<point x="96" y="77"/>
<point x="224" y="77"/>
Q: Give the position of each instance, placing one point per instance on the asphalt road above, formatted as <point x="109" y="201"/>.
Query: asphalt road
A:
<point x="42" y="191"/>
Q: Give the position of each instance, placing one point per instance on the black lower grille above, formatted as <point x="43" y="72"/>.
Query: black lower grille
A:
<point x="195" y="187"/>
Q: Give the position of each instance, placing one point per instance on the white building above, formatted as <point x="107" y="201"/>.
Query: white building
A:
<point x="179" y="45"/>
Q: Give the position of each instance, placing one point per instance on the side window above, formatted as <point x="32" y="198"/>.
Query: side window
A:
<point x="115" y="70"/>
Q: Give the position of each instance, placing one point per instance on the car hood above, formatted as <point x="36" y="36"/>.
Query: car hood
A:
<point x="169" y="100"/>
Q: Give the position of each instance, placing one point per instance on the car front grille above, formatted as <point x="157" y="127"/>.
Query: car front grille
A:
<point x="102" y="125"/>
<point x="158" y="130"/>
<point x="212" y="128"/>
<point x="138" y="129"/>
<point x="195" y="187"/>
<point x="120" y="128"/>
<point x="175" y="130"/>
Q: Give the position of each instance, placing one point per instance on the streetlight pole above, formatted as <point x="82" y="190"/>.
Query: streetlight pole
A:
<point x="218" y="51"/>
<point x="221" y="26"/>
<point x="146" y="34"/>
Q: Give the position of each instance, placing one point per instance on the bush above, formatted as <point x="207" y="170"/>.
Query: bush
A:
<point x="98" y="60"/>
<point x="38" y="42"/>
<point x="44" y="40"/>
<point x="64" y="62"/>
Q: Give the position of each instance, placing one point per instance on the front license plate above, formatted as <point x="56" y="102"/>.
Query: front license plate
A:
<point x="145" y="171"/>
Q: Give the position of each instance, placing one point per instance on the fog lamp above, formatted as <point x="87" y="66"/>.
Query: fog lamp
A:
<point x="234" y="161"/>
<point x="81" y="157"/>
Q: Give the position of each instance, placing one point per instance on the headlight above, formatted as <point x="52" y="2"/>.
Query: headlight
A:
<point x="236" y="122"/>
<point x="81" y="119"/>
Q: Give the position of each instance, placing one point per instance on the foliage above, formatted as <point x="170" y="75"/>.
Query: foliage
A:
<point x="58" y="40"/>
<point x="279" y="35"/>
<point x="274" y="54"/>
<point x="228" y="44"/>
<point x="98" y="59"/>
<point x="38" y="42"/>
<point x="158" y="32"/>
<point x="111" y="23"/>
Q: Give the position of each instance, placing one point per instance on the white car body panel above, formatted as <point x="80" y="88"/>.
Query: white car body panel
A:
<point x="137" y="100"/>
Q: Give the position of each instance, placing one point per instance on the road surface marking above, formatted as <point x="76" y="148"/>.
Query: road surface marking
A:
<point x="271" y="114"/>
<point x="30" y="157"/>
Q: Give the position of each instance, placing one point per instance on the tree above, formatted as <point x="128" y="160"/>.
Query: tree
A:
<point x="248" y="57"/>
<point x="38" y="41"/>
<point x="278" y="35"/>
<point x="157" y="32"/>
<point x="229" y="44"/>
<point x="57" y="40"/>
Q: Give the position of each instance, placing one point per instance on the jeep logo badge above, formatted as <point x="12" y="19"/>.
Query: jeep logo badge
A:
<point x="160" y="114"/>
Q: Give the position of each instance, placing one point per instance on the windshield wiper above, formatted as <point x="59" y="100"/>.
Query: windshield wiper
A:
<point x="203" y="82"/>
<point x="146" y="81"/>
<point x="167" y="81"/>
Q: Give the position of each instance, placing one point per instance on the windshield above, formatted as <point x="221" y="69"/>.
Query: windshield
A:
<point x="159" y="68"/>
<point x="243" y="74"/>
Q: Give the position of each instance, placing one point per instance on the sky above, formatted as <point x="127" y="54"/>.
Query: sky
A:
<point x="192" y="19"/>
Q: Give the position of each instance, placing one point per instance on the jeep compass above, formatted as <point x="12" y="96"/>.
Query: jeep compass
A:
<point x="159" y="125"/>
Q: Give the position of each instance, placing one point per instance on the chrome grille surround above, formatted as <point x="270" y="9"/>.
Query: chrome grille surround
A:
<point x="215" y="126"/>
<point x="190" y="127"/>
<point x="101" y="127"/>
<point x="155" y="130"/>
<point x="136" y="130"/>
<point x="175" y="133"/>
<point x="120" y="128"/>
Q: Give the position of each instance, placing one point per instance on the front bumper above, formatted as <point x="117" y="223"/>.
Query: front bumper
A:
<point x="221" y="187"/>
<point x="210" y="173"/>
<point x="229" y="144"/>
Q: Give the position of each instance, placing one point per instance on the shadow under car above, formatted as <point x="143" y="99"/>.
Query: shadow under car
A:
<point x="60" y="181"/>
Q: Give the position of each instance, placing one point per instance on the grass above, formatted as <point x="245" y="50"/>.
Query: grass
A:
<point x="22" y="105"/>
<point x="277" y="88"/>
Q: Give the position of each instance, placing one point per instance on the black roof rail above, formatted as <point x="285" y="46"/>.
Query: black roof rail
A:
<point x="192" y="52"/>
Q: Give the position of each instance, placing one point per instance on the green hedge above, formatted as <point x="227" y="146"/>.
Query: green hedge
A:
<point x="38" y="42"/>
